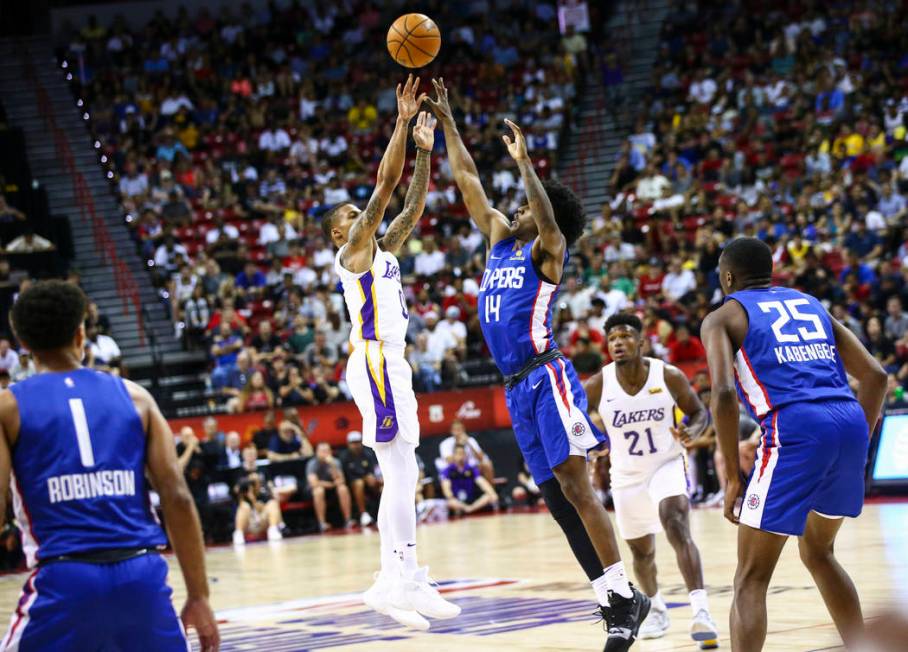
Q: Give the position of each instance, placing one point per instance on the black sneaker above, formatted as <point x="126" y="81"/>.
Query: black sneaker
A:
<point x="623" y="619"/>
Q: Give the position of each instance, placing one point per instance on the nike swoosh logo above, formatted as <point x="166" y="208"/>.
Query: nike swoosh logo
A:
<point x="537" y="384"/>
<point x="610" y="400"/>
<point x="496" y="257"/>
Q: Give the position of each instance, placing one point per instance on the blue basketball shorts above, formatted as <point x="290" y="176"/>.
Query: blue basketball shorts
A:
<point x="548" y="414"/>
<point x="811" y="459"/>
<point x="71" y="606"/>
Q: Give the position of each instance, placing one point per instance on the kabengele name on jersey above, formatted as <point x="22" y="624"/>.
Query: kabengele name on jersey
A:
<point x="805" y="352"/>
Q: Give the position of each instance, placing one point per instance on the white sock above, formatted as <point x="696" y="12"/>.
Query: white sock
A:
<point x="616" y="580"/>
<point x="408" y="557"/>
<point x="390" y="559"/>
<point x="658" y="602"/>
<point x="698" y="601"/>
<point x="601" y="590"/>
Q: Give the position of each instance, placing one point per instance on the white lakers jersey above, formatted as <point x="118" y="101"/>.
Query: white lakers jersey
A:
<point x="638" y="426"/>
<point x="375" y="299"/>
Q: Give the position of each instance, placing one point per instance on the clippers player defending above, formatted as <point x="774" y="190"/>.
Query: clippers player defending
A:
<point x="378" y="374"/>
<point x="75" y="446"/>
<point x="790" y="361"/>
<point x="543" y="393"/>
<point x="636" y="398"/>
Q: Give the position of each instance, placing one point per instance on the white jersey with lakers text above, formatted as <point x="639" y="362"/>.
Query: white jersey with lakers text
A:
<point x="638" y="426"/>
<point x="378" y="375"/>
<point x="375" y="299"/>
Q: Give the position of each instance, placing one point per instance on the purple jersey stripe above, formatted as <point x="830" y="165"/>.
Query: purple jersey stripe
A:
<point x="385" y="415"/>
<point x="367" y="312"/>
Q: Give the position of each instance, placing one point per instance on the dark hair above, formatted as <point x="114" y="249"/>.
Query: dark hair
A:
<point x="749" y="258"/>
<point x="568" y="210"/>
<point x="624" y="319"/>
<point x="328" y="220"/>
<point x="48" y="314"/>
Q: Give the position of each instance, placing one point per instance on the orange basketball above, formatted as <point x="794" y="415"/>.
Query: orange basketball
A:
<point x="414" y="40"/>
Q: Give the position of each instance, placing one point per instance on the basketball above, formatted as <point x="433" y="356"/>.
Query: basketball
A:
<point x="414" y="40"/>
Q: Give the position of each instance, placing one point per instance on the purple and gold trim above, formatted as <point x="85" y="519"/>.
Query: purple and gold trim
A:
<point x="368" y="314"/>
<point x="386" y="426"/>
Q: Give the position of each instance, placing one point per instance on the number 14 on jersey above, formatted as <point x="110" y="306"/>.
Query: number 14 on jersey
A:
<point x="492" y="308"/>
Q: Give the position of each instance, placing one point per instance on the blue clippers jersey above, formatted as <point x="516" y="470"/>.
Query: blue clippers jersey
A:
<point x="79" y="466"/>
<point x="789" y="354"/>
<point x="515" y="306"/>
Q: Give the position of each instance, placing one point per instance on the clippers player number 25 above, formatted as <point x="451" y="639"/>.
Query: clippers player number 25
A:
<point x="789" y="310"/>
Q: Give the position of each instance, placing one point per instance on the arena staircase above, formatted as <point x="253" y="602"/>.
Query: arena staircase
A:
<point x="39" y="100"/>
<point x="588" y="158"/>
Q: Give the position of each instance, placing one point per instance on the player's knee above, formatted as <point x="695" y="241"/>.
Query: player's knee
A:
<point x="643" y="556"/>
<point x="676" y="529"/>
<point x="751" y="577"/>
<point x="318" y="492"/>
<point x="576" y="490"/>
<point x="559" y="506"/>
<point x="814" y="556"/>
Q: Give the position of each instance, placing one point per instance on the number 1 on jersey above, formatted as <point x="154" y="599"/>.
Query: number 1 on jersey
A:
<point x="82" y="437"/>
<point x="493" y="307"/>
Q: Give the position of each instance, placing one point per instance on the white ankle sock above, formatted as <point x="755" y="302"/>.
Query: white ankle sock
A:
<point x="601" y="590"/>
<point x="408" y="557"/>
<point x="658" y="602"/>
<point x="390" y="559"/>
<point x="699" y="601"/>
<point x="616" y="580"/>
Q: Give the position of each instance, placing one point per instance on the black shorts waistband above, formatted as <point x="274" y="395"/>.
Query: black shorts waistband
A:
<point x="109" y="556"/>
<point x="534" y="363"/>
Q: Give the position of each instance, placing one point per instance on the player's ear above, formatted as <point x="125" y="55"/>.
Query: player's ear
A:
<point x="79" y="340"/>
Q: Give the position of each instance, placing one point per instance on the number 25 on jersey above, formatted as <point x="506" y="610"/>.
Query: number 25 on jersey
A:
<point x="789" y="311"/>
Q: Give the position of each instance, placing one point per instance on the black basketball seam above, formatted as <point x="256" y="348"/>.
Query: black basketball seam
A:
<point x="410" y="56"/>
<point x="410" y="31"/>
<point x="419" y="24"/>
<point x="428" y="54"/>
<point x="398" y="31"/>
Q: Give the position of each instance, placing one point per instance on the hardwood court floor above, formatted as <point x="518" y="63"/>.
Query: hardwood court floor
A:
<point x="519" y="587"/>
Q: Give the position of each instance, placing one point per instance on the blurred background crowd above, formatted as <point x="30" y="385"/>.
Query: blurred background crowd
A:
<point x="232" y="132"/>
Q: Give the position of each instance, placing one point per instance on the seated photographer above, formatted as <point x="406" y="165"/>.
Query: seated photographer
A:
<point x="256" y="510"/>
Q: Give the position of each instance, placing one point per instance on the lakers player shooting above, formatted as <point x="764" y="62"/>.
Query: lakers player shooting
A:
<point x="378" y="374"/>
<point x="544" y="395"/>
<point x="790" y="361"/>
<point x="636" y="398"/>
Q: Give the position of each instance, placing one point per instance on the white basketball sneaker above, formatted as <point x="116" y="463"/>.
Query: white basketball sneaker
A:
<point x="418" y="592"/>
<point x="378" y="598"/>
<point x="703" y="628"/>
<point x="655" y="625"/>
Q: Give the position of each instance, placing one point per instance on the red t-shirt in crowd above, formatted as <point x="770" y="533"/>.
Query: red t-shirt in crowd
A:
<point x="689" y="351"/>
<point x="650" y="285"/>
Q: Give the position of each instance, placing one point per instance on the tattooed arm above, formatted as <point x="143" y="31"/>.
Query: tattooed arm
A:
<point x="415" y="201"/>
<point x="362" y="233"/>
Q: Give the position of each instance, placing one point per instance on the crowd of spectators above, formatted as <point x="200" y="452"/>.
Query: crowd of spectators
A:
<point x="782" y="121"/>
<point x="244" y="486"/>
<point x="230" y="134"/>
